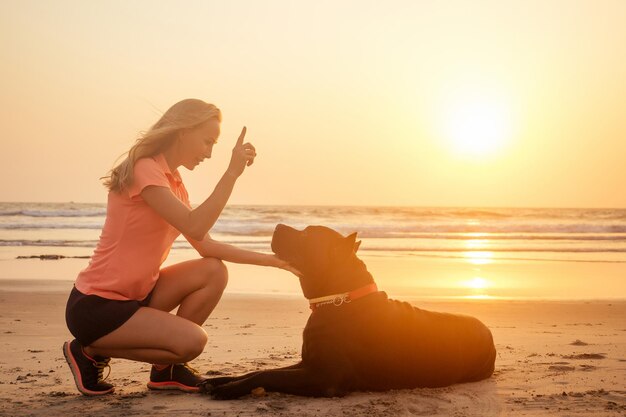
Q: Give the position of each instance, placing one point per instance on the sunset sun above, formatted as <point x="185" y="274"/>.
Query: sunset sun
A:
<point x="476" y="125"/>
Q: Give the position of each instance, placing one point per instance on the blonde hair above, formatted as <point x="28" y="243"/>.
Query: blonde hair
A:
<point x="185" y="114"/>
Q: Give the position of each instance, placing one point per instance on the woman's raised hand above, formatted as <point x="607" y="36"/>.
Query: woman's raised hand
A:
<point x="243" y="155"/>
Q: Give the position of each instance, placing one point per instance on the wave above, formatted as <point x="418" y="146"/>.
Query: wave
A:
<point x="51" y="242"/>
<point x="281" y="212"/>
<point x="179" y="244"/>
<point x="496" y="249"/>
<point x="50" y="226"/>
<point x="421" y="231"/>
<point x="458" y="228"/>
<point x="398" y="247"/>
<point x="516" y="258"/>
<point x="493" y="236"/>
<point x="95" y="212"/>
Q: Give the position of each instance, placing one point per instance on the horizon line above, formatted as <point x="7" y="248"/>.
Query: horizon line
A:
<point x="194" y="204"/>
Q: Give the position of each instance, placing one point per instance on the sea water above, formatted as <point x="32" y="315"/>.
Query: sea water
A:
<point x="476" y="236"/>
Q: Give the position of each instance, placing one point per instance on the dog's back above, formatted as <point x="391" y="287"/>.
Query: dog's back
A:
<point x="375" y="343"/>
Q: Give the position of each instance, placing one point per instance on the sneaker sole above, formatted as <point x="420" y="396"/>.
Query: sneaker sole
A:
<point x="76" y="373"/>
<point x="172" y="385"/>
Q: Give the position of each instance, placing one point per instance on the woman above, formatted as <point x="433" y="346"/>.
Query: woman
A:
<point x="119" y="306"/>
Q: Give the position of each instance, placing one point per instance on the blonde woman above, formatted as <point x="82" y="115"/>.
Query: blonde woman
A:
<point x="120" y="304"/>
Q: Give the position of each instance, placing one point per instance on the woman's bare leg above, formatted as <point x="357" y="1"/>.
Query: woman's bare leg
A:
<point x="152" y="336"/>
<point x="194" y="286"/>
<point x="155" y="336"/>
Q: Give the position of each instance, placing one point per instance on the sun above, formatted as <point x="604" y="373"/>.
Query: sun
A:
<point x="476" y="125"/>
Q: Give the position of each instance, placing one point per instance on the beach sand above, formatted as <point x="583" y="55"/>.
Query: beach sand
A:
<point x="554" y="358"/>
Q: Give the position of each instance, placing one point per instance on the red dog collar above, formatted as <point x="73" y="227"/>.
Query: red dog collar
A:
<point x="346" y="297"/>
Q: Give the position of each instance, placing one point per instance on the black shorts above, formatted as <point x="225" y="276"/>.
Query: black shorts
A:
<point x="89" y="317"/>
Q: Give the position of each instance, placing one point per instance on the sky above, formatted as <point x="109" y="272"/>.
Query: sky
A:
<point x="395" y="103"/>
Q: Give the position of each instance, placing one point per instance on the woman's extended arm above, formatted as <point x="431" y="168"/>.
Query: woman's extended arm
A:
<point x="210" y="248"/>
<point x="197" y="222"/>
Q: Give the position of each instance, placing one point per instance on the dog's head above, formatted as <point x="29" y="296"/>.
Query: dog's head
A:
<point x="324" y="257"/>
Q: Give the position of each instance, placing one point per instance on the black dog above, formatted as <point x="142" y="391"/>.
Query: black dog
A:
<point x="357" y="339"/>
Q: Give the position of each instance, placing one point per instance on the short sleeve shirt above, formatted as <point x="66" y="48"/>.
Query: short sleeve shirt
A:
<point x="135" y="240"/>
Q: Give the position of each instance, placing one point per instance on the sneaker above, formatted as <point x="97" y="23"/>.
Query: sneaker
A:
<point x="178" y="376"/>
<point x="87" y="371"/>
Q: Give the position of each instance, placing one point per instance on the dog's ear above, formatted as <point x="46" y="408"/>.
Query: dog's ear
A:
<point x="351" y="244"/>
<point x="344" y="247"/>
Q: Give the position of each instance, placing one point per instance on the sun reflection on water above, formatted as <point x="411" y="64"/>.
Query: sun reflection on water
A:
<point x="478" y="257"/>
<point x="478" y="287"/>
<point x="475" y="255"/>
<point x="477" y="245"/>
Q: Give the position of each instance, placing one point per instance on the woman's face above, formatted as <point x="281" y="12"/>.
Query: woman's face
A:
<point x="197" y="143"/>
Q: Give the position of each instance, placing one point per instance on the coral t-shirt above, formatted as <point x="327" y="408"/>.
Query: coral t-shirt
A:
<point x="135" y="240"/>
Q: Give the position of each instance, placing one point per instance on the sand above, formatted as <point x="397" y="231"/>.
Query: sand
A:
<point x="554" y="358"/>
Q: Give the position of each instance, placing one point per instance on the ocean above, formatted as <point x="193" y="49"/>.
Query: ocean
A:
<point x="531" y="235"/>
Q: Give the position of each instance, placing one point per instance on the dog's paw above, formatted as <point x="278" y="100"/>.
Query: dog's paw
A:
<point x="208" y="385"/>
<point x="228" y="391"/>
<point x="205" y="387"/>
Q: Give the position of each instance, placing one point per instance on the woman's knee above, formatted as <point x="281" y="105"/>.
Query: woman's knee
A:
<point x="215" y="272"/>
<point x="192" y="345"/>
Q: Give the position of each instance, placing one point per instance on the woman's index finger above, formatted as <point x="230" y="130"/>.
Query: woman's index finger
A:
<point x="241" y="136"/>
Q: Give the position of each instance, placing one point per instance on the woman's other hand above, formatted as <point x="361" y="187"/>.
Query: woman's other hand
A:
<point x="243" y="155"/>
